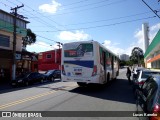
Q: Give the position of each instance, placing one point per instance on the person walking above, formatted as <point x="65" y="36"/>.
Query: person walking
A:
<point x="128" y="74"/>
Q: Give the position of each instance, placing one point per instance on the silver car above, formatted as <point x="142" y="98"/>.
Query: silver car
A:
<point x="142" y="75"/>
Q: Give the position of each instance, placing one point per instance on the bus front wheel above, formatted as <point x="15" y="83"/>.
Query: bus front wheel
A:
<point x="81" y="84"/>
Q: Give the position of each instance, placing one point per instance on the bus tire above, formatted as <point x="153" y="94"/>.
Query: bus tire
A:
<point x="81" y="84"/>
<point x="26" y="83"/>
<point x="108" y="77"/>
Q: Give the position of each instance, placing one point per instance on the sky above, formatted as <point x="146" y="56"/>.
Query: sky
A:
<point x="117" y="24"/>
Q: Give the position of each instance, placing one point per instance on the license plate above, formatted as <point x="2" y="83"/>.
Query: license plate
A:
<point x="78" y="73"/>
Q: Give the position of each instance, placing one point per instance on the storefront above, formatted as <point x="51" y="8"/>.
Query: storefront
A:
<point x="25" y="62"/>
<point x="152" y="54"/>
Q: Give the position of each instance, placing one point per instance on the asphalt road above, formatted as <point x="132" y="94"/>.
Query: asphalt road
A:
<point x="67" y="96"/>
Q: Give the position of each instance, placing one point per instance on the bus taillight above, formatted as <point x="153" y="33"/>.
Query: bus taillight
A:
<point x="94" y="70"/>
<point x="63" y="71"/>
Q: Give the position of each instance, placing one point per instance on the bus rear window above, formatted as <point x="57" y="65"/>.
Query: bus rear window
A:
<point x="78" y="50"/>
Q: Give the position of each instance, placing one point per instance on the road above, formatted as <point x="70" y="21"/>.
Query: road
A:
<point x="67" y="96"/>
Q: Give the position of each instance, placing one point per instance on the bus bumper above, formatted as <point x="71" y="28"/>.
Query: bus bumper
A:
<point x="94" y="79"/>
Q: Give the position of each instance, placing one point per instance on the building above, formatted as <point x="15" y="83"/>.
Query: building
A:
<point x="23" y="58"/>
<point x="145" y="29"/>
<point x="124" y="57"/>
<point x="49" y="60"/>
<point x="152" y="54"/>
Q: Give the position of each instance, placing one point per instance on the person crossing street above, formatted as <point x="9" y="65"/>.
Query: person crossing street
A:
<point x="128" y="74"/>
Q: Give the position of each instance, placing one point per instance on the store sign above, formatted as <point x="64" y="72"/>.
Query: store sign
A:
<point x="18" y="56"/>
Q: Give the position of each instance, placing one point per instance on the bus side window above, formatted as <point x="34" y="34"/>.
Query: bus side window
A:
<point x="101" y="56"/>
<point x="107" y="57"/>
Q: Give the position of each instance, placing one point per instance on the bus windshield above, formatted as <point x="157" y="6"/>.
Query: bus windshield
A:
<point x="78" y="50"/>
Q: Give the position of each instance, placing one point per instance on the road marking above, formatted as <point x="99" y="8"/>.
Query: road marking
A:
<point x="31" y="98"/>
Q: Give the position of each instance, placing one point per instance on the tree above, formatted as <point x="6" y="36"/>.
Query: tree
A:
<point x="137" y="56"/>
<point x="129" y="63"/>
<point x="122" y="63"/>
<point x="29" y="39"/>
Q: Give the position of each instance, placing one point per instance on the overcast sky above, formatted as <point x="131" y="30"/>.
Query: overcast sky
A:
<point x="115" y="23"/>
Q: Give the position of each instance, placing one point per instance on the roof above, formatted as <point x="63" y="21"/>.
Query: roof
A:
<point x="13" y="16"/>
<point x="153" y="44"/>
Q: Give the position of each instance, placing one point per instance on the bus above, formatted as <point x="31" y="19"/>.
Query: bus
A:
<point x="88" y="62"/>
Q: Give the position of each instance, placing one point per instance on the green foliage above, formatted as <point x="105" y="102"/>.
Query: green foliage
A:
<point x="137" y="56"/>
<point x="29" y="39"/>
<point x="126" y="63"/>
<point x="129" y="63"/>
<point x="122" y="63"/>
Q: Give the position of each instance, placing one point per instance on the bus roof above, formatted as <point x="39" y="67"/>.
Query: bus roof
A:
<point x="88" y="41"/>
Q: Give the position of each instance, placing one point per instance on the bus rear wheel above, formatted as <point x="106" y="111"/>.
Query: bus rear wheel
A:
<point x="108" y="77"/>
<point x="81" y="84"/>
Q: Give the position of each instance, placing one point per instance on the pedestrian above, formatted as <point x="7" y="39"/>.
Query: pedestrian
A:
<point x="128" y="74"/>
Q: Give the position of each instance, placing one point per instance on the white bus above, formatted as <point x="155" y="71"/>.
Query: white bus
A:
<point x="88" y="62"/>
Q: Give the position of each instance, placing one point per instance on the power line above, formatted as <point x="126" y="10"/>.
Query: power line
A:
<point x="86" y="5"/>
<point x="39" y="19"/>
<point x="40" y="14"/>
<point x="5" y="4"/>
<point x="155" y="12"/>
<point x="76" y="2"/>
<point x="42" y="21"/>
<point x="116" y="18"/>
<point x="92" y="8"/>
<point x="104" y="25"/>
<point x="49" y="45"/>
<point x="42" y="44"/>
<point x="32" y="14"/>
<point x="11" y="2"/>
<point x="36" y="35"/>
<point x="44" y="16"/>
<point x="46" y="38"/>
<point x="116" y="2"/>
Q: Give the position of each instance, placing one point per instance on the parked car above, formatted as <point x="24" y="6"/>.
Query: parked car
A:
<point x="52" y="74"/>
<point x="28" y="78"/>
<point x="141" y="77"/>
<point x="135" y="71"/>
<point x="148" y="99"/>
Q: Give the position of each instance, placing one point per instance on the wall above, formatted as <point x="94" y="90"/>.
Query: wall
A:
<point x="19" y="41"/>
<point x="45" y="63"/>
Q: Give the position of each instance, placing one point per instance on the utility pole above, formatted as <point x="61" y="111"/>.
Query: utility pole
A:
<point x="59" y="52"/>
<point x="14" y="41"/>
<point x="59" y="45"/>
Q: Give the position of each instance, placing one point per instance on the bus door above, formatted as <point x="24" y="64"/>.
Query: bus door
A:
<point x="104" y="65"/>
<point x="112" y="66"/>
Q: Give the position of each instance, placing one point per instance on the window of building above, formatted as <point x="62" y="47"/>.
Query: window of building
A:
<point x="4" y="41"/>
<point x="1" y="16"/>
<point x="20" y="24"/>
<point x="48" y="56"/>
<point x="40" y="57"/>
